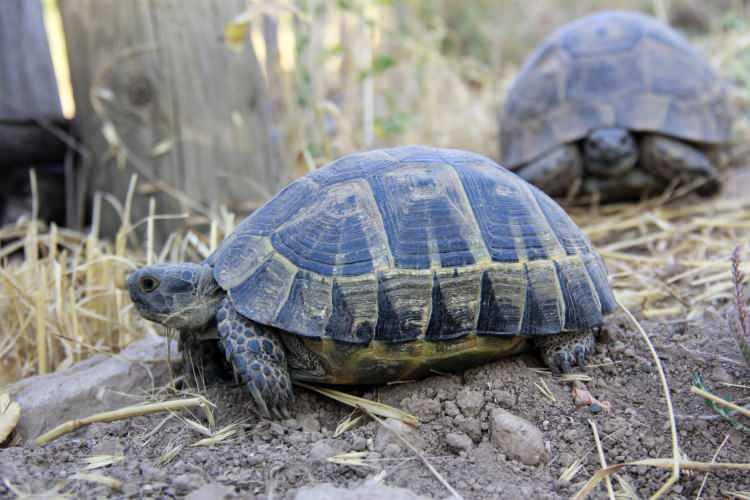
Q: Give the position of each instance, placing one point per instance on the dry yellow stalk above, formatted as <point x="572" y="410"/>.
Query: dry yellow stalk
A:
<point x="40" y="314"/>
<point x="370" y="406"/>
<point x="720" y="401"/>
<point x="122" y="413"/>
<point x="602" y="460"/>
<point x="111" y="482"/>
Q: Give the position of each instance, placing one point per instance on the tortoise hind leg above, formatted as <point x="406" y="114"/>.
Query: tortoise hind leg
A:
<point x="257" y="354"/>
<point x="560" y="352"/>
<point x="556" y="172"/>
<point x="672" y="159"/>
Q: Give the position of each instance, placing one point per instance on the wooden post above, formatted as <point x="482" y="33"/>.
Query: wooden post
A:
<point x="31" y="118"/>
<point x="158" y="93"/>
<point x="27" y="80"/>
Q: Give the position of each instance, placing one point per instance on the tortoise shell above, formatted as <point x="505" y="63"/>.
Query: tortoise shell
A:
<point x="396" y="245"/>
<point x="611" y="69"/>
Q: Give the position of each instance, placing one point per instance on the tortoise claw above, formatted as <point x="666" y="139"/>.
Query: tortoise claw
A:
<point x="564" y="362"/>
<point x="261" y="407"/>
<point x="580" y="354"/>
<point x="561" y="352"/>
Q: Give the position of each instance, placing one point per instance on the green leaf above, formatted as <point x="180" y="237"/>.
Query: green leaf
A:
<point x="380" y="65"/>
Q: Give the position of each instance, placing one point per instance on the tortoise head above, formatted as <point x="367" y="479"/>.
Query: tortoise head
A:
<point x="176" y="295"/>
<point x="609" y="152"/>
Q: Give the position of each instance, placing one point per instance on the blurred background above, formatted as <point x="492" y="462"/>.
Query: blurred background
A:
<point x="227" y="101"/>
<point x="167" y="121"/>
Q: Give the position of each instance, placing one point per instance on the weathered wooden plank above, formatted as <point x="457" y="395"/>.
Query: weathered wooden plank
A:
<point x="156" y="86"/>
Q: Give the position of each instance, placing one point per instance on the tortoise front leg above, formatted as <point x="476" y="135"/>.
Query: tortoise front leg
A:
<point x="561" y="352"/>
<point x="671" y="159"/>
<point x="257" y="354"/>
<point x="555" y="172"/>
<point x="634" y="185"/>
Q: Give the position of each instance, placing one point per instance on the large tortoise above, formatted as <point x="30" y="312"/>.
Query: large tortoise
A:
<point x="620" y="101"/>
<point x="385" y="265"/>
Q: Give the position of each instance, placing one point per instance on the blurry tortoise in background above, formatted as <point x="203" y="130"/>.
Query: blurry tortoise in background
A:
<point x="615" y="105"/>
<point x="386" y="265"/>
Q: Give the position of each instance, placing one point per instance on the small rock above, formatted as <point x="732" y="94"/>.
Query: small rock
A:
<point x="100" y="383"/>
<point x="458" y="441"/>
<point x="185" y="483"/>
<point x="108" y="447"/>
<point x="212" y="491"/>
<point x="719" y="374"/>
<point x="470" y="402"/>
<point x="297" y="438"/>
<point x="328" y="491"/>
<point x="392" y="450"/>
<point x="570" y="435"/>
<point x="504" y="398"/>
<point x="385" y="436"/>
<point x="425" y="409"/>
<point x="648" y="442"/>
<point x="566" y="459"/>
<point x="325" y="449"/>
<point x="309" y="423"/>
<point x="517" y="437"/>
<point x="359" y="443"/>
<point x="614" y="424"/>
<point x="472" y="427"/>
<point x="451" y="409"/>
<point x="618" y="346"/>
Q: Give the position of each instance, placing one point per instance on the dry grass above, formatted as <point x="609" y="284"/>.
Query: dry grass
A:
<point x="62" y="295"/>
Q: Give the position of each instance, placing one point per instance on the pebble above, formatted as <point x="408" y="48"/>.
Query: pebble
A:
<point x="384" y="436"/>
<point x="309" y="423"/>
<point x="425" y="409"/>
<point x="211" y="491"/>
<point x="451" y="409"/>
<point x="470" y="402"/>
<point x="392" y="450"/>
<point x="517" y="437"/>
<point x="566" y="459"/>
<point x="618" y="346"/>
<point x="458" y="441"/>
<point x="324" y="449"/>
<point x="185" y="483"/>
<point x="648" y="441"/>
<point x="719" y="374"/>
<point x="359" y="443"/>
<point x="570" y="435"/>
<point x="297" y="438"/>
<point x="472" y="427"/>
<point x="504" y="398"/>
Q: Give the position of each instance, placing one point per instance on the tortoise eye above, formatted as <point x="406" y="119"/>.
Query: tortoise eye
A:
<point x="148" y="284"/>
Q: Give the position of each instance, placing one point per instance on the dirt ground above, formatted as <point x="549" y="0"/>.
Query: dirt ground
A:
<point x="273" y="459"/>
